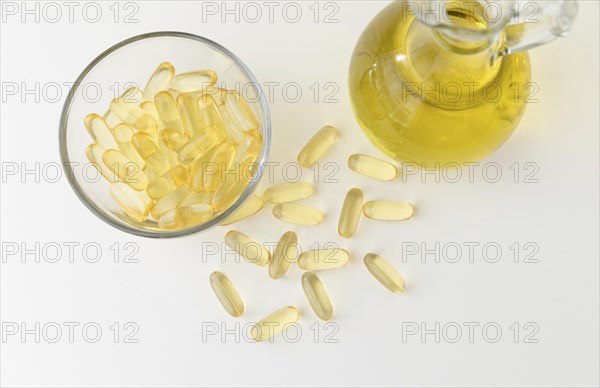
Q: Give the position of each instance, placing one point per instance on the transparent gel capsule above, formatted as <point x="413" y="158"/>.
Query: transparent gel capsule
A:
<point x="227" y="294"/>
<point x="234" y="132"/>
<point x="288" y="192"/>
<point x="157" y="161"/>
<point x="239" y="111"/>
<point x="164" y="184"/>
<point x="136" y="204"/>
<point x="150" y="108"/>
<point x="168" y="113"/>
<point x="274" y="323"/>
<point x="190" y="115"/>
<point x="203" y="198"/>
<point x="111" y="119"/>
<point x="173" y="139"/>
<point x="298" y="214"/>
<point x="123" y="134"/>
<point x="284" y="255"/>
<point x="159" y="80"/>
<point x="327" y="258"/>
<point x="253" y="205"/>
<point x="233" y="187"/>
<point x="194" y="81"/>
<point x="249" y="147"/>
<point x="169" y="202"/>
<point x="100" y="132"/>
<point x="196" y="147"/>
<point x="388" y="210"/>
<point x="350" y="215"/>
<point x="211" y="115"/>
<point x="185" y="217"/>
<point x="127" y="170"/>
<point x="94" y="154"/>
<point x="219" y="161"/>
<point x="246" y="247"/>
<point x="372" y="167"/>
<point x="316" y="147"/>
<point x="317" y="296"/>
<point x="384" y="273"/>
<point x="134" y="116"/>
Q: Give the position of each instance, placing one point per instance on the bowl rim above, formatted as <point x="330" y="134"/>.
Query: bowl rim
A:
<point x="66" y="163"/>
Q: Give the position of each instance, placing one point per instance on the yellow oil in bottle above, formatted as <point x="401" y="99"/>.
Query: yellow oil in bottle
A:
<point x="426" y="97"/>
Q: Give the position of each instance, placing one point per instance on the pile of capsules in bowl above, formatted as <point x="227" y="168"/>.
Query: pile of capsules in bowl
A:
<point x="177" y="153"/>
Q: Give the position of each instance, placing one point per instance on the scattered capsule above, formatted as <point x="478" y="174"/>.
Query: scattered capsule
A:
<point x="193" y="122"/>
<point x="316" y="147"/>
<point x="372" y="167"/>
<point x="94" y="154"/>
<point x="167" y="182"/>
<point x="289" y="192"/>
<point x="168" y="113"/>
<point x="131" y="114"/>
<point x="136" y="204"/>
<point x="159" y="80"/>
<point x="298" y="214"/>
<point x="196" y="147"/>
<point x="227" y="294"/>
<point x="285" y="254"/>
<point x="351" y="211"/>
<point x="127" y="171"/>
<point x="385" y="273"/>
<point x="249" y="249"/>
<point x="100" y="132"/>
<point x="253" y="205"/>
<point x="274" y="323"/>
<point x="194" y="81"/>
<point x="173" y="139"/>
<point x="240" y="112"/>
<point x="185" y="216"/>
<point x="388" y="210"/>
<point x="317" y="296"/>
<point x="123" y="134"/>
<point x="169" y="202"/>
<point x="211" y="115"/>
<point x="328" y="258"/>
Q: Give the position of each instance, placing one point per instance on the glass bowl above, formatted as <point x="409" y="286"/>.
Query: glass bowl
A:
<point x="131" y="62"/>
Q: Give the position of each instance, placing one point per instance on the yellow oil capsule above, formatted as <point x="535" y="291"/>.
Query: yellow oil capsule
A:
<point x="217" y="93"/>
<point x="298" y="214"/>
<point x="316" y="147"/>
<point x="123" y="134"/>
<point x="157" y="160"/>
<point x="144" y="144"/>
<point x="317" y="296"/>
<point x="211" y="115"/>
<point x="132" y="95"/>
<point x="127" y="170"/>
<point x="289" y="192"/>
<point x="234" y="132"/>
<point x="136" y="204"/>
<point x="227" y="294"/>
<point x="131" y="114"/>
<point x="239" y="111"/>
<point x="284" y="255"/>
<point x="246" y="247"/>
<point x="253" y="205"/>
<point x="249" y="147"/>
<point x="100" y="132"/>
<point x="350" y="215"/>
<point x="168" y="113"/>
<point x="111" y="119"/>
<point x="197" y="147"/>
<point x="197" y="199"/>
<point x="150" y="108"/>
<point x="388" y="210"/>
<point x="227" y="194"/>
<point x="169" y="202"/>
<point x="190" y="115"/>
<point x="220" y="161"/>
<point x="272" y="325"/>
<point x="327" y="258"/>
<point x="194" y="81"/>
<point x="384" y="273"/>
<point x="94" y="154"/>
<point x="185" y="217"/>
<point x="173" y="139"/>
<point x="164" y="184"/>
<point x="372" y="167"/>
<point x="159" y="80"/>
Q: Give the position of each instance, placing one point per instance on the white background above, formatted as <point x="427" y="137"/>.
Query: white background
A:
<point x="554" y="301"/>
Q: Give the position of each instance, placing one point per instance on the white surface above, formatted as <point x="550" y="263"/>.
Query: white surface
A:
<point x="167" y="294"/>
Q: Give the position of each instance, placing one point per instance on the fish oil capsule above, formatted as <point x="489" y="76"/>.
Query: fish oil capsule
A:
<point x="197" y="198"/>
<point x="157" y="161"/>
<point x="328" y="258"/>
<point x="317" y="296"/>
<point x="190" y="115"/>
<point x="249" y="147"/>
<point x="211" y="115"/>
<point x="270" y="326"/>
<point x="144" y="144"/>
<point x="169" y="202"/>
<point x="159" y="80"/>
<point x="99" y="132"/>
<point x="185" y="216"/>
<point x="289" y="192"/>
<point x="150" y="108"/>
<point x="127" y="171"/>
<point x="285" y="254"/>
<point x="239" y="111"/>
<point x="166" y="183"/>
<point x="388" y="210"/>
<point x="298" y="214"/>
<point x="193" y="81"/>
<point x="253" y="205"/>
<point x="227" y="194"/>
<point x="227" y="294"/>
<point x="234" y="132"/>
<point x="173" y="139"/>
<point x="94" y="154"/>
<point x="196" y="147"/>
<point x="316" y="147"/>
<point x="249" y="249"/>
<point x="132" y="115"/>
<point x="372" y="167"/>
<point x="351" y="211"/>
<point x="111" y="119"/>
<point x="219" y="161"/>
<point x="123" y="134"/>
<point x="168" y="113"/>
<point x="385" y="273"/>
<point x="136" y="204"/>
